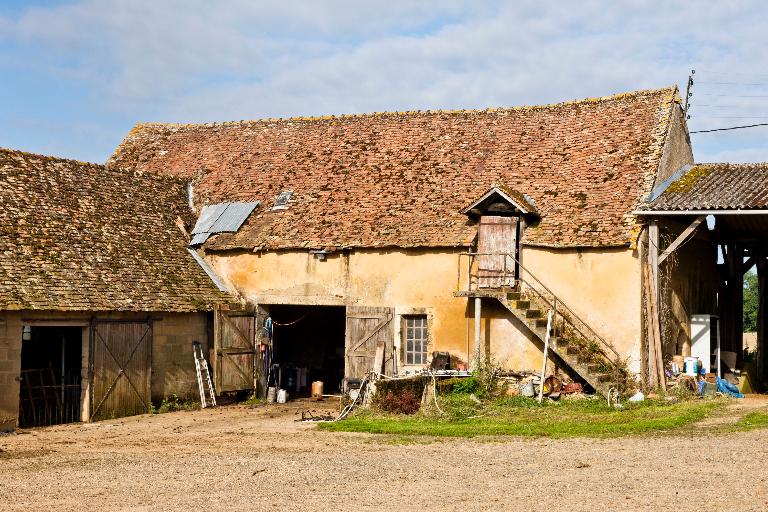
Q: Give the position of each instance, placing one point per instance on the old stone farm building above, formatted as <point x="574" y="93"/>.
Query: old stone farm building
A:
<point x="410" y="233"/>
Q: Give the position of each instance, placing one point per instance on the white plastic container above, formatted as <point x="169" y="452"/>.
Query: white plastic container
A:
<point x="282" y="396"/>
<point x="691" y="365"/>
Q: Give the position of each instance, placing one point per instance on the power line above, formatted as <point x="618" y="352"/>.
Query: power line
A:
<point x="730" y="128"/>
<point x="707" y="82"/>
<point x="734" y="95"/>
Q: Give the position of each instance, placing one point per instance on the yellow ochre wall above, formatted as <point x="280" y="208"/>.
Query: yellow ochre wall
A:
<point x="602" y="286"/>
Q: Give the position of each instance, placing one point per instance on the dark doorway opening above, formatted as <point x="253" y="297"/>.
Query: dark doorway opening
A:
<point x="51" y="363"/>
<point x="308" y="346"/>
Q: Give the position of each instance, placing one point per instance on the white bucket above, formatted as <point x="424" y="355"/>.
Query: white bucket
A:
<point x="282" y="396"/>
<point x="271" y="392"/>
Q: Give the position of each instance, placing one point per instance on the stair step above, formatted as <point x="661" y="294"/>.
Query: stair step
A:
<point x="532" y="313"/>
<point x="572" y="351"/>
<point x="541" y="322"/>
<point x="514" y="296"/>
<point x="604" y="377"/>
<point x="522" y="304"/>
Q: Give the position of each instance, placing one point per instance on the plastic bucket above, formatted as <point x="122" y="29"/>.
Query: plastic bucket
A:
<point x="317" y="390"/>
<point x="282" y="396"/>
<point x="271" y="394"/>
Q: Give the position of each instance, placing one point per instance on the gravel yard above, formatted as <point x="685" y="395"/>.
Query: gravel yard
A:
<point x="242" y="458"/>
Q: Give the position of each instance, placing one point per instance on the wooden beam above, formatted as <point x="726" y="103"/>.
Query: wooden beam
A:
<point x="681" y="238"/>
<point x="748" y="264"/>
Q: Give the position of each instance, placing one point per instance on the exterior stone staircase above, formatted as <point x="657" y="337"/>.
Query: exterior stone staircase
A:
<point x="579" y="354"/>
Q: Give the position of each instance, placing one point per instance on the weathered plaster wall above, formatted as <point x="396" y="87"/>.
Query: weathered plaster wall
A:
<point x="173" y="369"/>
<point x="405" y="280"/>
<point x="602" y="286"/>
<point x="677" y="148"/>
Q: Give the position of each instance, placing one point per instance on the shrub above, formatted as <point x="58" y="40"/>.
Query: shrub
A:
<point x="402" y="401"/>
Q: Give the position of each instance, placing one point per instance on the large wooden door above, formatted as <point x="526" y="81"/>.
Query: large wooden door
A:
<point x="235" y="350"/>
<point x="367" y="329"/>
<point x="496" y="242"/>
<point x="120" y="368"/>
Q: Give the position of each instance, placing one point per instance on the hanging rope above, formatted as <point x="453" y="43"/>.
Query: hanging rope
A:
<point x="290" y="323"/>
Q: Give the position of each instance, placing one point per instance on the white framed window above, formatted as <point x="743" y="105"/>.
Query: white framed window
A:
<point x="415" y="339"/>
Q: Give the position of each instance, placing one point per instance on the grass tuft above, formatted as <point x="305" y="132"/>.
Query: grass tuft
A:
<point x="752" y="421"/>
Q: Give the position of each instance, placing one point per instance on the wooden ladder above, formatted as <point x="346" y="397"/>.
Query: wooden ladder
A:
<point x="201" y="366"/>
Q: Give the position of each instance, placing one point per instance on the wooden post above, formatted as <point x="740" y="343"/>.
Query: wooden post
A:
<point x="546" y="354"/>
<point x="476" y="354"/>
<point x="762" y="281"/>
<point x="655" y="321"/>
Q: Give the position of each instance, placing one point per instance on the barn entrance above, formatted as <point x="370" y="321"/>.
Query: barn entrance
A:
<point x="308" y="345"/>
<point x="51" y="366"/>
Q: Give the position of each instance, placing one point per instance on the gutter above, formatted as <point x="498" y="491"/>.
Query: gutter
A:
<point x="700" y="212"/>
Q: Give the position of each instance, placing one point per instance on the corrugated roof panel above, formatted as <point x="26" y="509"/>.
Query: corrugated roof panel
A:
<point x="715" y="187"/>
<point x="208" y="217"/>
<point x="199" y="239"/>
<point x="233" y="217"/>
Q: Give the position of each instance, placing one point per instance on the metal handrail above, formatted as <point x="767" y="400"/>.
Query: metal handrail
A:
<point x="554" y="304"/>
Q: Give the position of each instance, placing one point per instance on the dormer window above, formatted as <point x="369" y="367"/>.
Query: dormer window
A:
<point x="281" y="201"/>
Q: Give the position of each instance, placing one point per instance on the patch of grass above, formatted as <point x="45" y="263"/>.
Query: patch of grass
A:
<point x="252" y="400"/>
<point x="516" y="416"/>
<point x="173" y="403"/>
<point x="752" y="421"/>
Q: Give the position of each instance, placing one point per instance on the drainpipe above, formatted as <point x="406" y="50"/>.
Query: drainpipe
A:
<point x="476" y="355"/>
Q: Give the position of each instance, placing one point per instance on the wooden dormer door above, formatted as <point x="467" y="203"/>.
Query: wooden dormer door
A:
<point x="497" y="249"/>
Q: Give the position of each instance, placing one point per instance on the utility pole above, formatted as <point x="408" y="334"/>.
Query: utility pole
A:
<point x="688" y="92"/>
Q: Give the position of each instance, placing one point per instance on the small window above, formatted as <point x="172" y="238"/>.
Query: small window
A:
<point x="415" y="337"/>
<point x="281" y="201"/>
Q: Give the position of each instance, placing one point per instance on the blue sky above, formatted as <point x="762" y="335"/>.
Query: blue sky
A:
<point x="77" y="75"/>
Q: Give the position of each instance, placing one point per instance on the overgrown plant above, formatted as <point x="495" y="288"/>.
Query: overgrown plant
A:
<point x="173" y="403"/>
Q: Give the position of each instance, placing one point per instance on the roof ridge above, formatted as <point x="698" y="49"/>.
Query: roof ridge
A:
<point x="547" y="106"/>
<point x="733" y="164"/>
<point x="101" y="167"/>
<point x="49" y="157"/>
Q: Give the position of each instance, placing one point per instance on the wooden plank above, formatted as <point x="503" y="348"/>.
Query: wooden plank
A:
<point x="497" y="236"/>
<point x="121" y="368"/>
<point x="682" y="237"/>
<point x="655" y="364"/>
<point x="378" y="359"/>
<point x="366" y="328"/>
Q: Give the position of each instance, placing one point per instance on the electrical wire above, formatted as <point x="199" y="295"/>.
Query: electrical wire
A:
<point x="729" y="128"/>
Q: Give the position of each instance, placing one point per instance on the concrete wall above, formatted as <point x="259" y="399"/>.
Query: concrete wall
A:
<point x="10" y="365"/>
<point x="173" y="369"/>
<point x="173" y="366"/>
<point x="602" y="286"/>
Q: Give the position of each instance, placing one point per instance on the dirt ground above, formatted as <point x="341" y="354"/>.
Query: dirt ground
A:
<point x="242" y="458"/>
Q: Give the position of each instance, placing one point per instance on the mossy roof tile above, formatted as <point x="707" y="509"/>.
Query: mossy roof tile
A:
<point x="80" y="237"/>
<point x="402" y="179"/>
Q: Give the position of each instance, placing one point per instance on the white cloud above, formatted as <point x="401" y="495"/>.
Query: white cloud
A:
<point x="201" y="61"/>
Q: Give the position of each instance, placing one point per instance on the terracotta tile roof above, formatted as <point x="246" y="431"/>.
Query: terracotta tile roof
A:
<point x="80" y="237"/>
<point x="716" y="187"/>
<point x="401" y="179"/>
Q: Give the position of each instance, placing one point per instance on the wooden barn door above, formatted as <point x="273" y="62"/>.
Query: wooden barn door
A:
<point x="367" y="329"/>
<point x="120" y="368"/>
<point x="235" y="350"/>
<point x="496" y="239"/>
